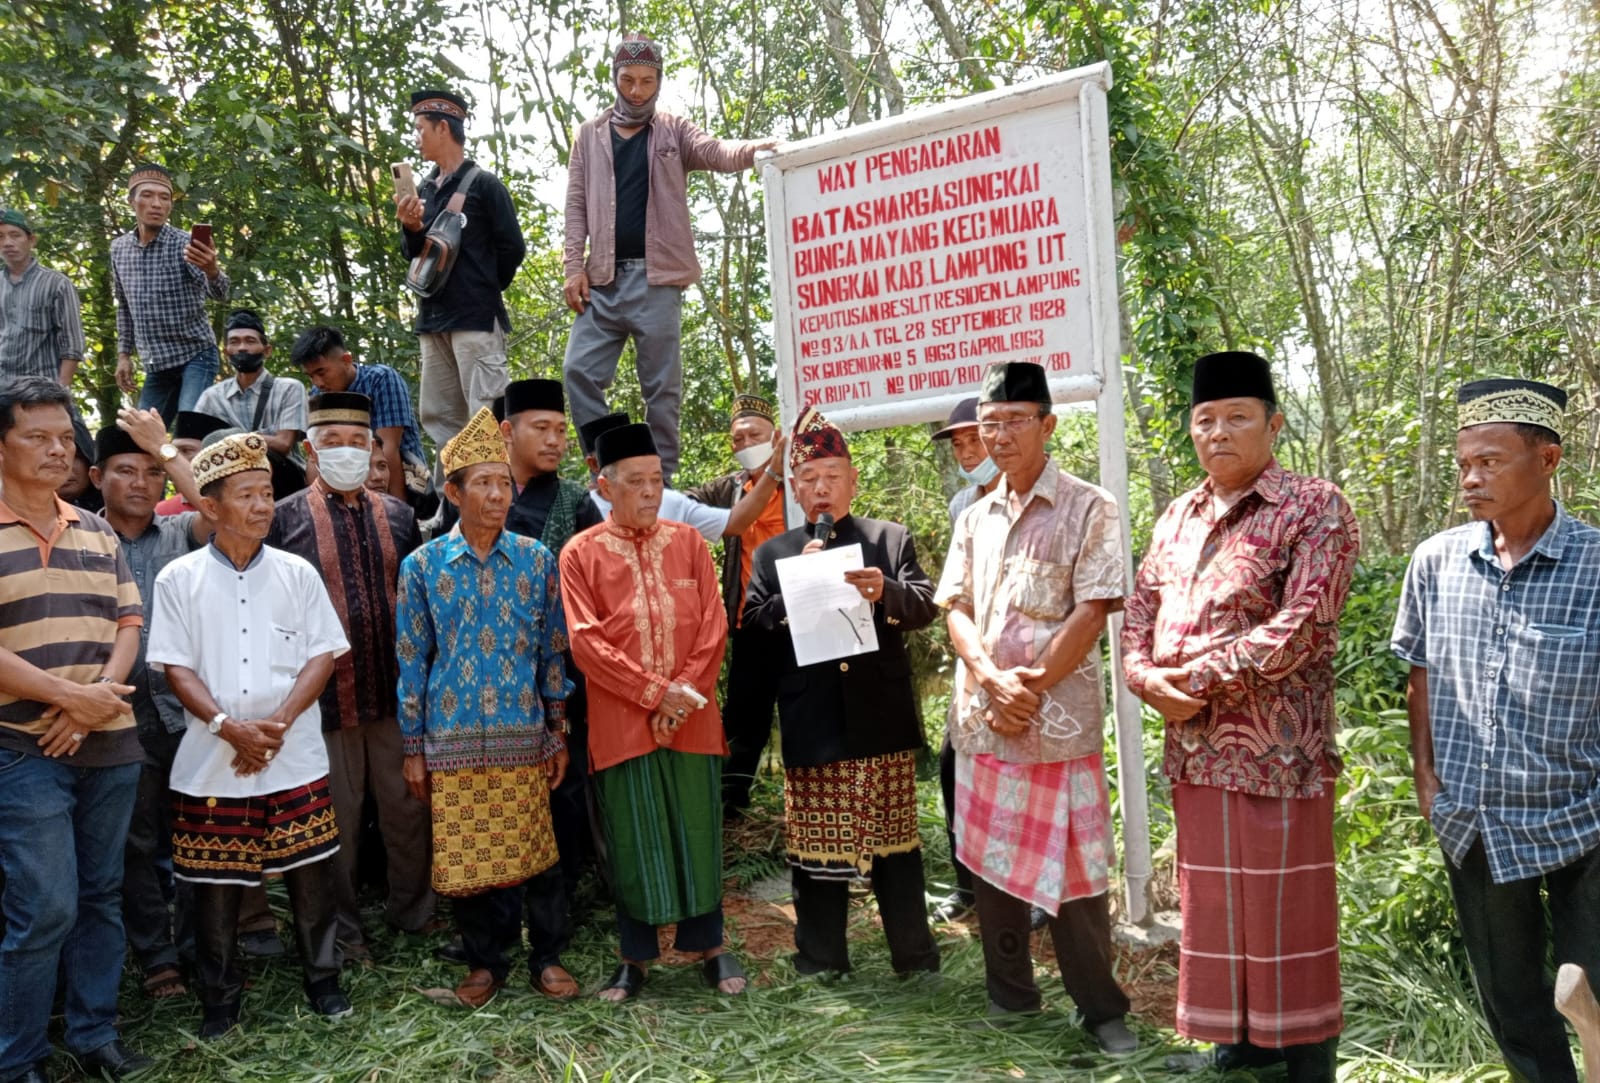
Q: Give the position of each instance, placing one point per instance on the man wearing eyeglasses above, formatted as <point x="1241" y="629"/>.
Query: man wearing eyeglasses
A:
<point x="1034" y="568"/>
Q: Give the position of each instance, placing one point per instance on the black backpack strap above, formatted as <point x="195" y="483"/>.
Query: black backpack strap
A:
<point x="264" y="387"/>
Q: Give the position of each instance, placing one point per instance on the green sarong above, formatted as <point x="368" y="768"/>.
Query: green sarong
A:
<point x="662" y="817"/>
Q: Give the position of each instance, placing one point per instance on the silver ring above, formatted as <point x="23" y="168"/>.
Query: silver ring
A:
<point x="78" y="738"/>
<point x="680" y="712"/>
<point x="268" y="756"/>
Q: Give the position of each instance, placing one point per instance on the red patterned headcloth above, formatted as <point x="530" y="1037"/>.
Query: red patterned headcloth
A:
<point x="815" y="437"/>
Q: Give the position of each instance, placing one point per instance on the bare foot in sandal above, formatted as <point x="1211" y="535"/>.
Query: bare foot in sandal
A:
<point x="723" y="972"/>
<point x="164" y="983"/>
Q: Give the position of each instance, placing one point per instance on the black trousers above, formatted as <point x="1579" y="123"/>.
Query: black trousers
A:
<point x="747" y="714"/>
<point x="156" y="935"/>
<point x="821" y="909"/>
<point x="947" y="787"/>
<point x="1507" y="939"/>
<point x="491" y="924"/>
<point x="1081" y="932"/>
<point x="569" y="813"/>
<point x="316" y="927"/>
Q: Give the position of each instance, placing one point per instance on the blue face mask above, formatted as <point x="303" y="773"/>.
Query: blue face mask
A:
<point x="982" y="474"/>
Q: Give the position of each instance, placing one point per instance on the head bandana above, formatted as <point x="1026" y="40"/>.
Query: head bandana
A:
<point x="636" y="49"/>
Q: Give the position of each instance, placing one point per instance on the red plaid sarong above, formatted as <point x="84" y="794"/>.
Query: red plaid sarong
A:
<point x="1260" y="949"/>
<point x="1040" y="832"/>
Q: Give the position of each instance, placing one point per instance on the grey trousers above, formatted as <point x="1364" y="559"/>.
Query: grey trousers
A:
<point x="368" y="757"/>
<point x="652" y="315"/>
<point x="461" y="372"/>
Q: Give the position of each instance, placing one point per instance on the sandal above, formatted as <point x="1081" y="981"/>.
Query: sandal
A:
<point x="164" y="983"/>
<point x="628" y="977"/>
<point x="719" y="968"/>
<point x="555" y="982"/>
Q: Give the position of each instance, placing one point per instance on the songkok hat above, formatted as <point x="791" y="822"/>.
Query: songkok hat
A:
<point x="815" y="437"/>
<point x="753" y="406"/>
<point x="624" y="442"/>
<point x="10" y="216"/>
<point x="479" y="442"/>
<point x="497" y="406"/>
<point x="82" y="439"/>
<point x="590" y="431"/>
<point x="637" y="49"/>
<point x="112" y="440"/>
<point x="231" y="455"/>
<point x="1512" y="402"/>
<point x="439" y="103"/>
<point x="149" y="173"/>
<point x="243" y="319"/>
<point x="1232" y="374"/>
<point x="340" y="408"/>
<point x="194" y="425"/>
<point x="964" y="416"/>
<point x="534" y="395"/>
<point x="1015" y="381"/>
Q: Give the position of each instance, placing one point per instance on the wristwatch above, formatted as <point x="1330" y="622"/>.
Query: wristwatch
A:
<point x="215" y="725"/>
<point x="166" y="453"/>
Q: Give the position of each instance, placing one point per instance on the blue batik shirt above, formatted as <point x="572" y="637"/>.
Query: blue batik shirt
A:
<point x="1513" y="661"/>
<point x="480" y="644"/>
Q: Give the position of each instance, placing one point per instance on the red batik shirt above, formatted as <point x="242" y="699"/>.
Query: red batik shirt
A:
<point x="1248" y="605"/>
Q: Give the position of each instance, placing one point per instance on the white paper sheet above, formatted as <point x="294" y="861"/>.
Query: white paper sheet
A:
<point x="828" y="618"/>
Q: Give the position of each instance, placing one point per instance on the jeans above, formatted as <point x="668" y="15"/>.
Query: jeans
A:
<point x="62" y="830"/>
<point x="179" y="388"/>
<point x="652" y="315"/>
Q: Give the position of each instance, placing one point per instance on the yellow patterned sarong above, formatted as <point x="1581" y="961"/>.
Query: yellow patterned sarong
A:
<point x="491" y="828"/>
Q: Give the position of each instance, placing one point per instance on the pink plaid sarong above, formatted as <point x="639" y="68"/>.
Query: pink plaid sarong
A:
<point x="1040" y="832"/>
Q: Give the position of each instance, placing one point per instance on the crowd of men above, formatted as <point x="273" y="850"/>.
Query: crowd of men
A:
<point x="205" y="689"/>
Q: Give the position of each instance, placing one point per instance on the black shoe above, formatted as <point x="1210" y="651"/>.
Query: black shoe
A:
<point x="1114" y="1037"/>
<point x="217" y="1019"/>
<point x="262" y="944"/>
<point x="113" y="1060"/>
<point x="451" y="952"/>
<point x="327" y="1000"/>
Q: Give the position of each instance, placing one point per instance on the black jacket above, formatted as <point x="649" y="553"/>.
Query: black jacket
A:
<point x="856" y="707"/>
<point x="724" y="492"/>
<point x="492" y="249"/>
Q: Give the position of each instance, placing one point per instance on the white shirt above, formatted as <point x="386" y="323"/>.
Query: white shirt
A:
<point x="246" y="635"/>
<point x="710" y="522"/>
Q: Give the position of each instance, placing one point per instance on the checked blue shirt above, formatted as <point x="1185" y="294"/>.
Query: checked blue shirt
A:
<point x="1513" y="661"/>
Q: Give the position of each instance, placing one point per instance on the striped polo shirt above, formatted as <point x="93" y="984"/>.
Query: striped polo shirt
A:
<point x="62" y="600"/>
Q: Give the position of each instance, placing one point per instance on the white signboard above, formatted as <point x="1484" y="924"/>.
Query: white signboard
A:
<point x="909" y="254"/>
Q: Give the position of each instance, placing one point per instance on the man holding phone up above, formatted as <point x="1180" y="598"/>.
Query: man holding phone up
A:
<point x="162" y="278"/>
<point x="462" y="327"/>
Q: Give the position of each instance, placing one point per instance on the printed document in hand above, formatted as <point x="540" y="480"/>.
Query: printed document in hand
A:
<point x="828" y="618"/>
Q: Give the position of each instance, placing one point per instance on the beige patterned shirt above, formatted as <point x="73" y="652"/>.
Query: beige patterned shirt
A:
<point x="1022" y="562"/>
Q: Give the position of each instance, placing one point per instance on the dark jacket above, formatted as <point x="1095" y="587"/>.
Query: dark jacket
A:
<point x="724" y="492"/>
<point x="856" y="707"/>
<point x="492" y="249"/>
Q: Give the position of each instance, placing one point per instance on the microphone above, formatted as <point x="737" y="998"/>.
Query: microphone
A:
<point x="822" y="529"/>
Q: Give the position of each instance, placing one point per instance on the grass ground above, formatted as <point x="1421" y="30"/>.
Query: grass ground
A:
<point x="869" y="1025"/>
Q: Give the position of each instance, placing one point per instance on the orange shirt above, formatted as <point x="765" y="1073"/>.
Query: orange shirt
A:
<point x="769" y="524"/>
<point x="644" y="609"/>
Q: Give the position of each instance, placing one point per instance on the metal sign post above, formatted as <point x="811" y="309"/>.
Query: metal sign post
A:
<point x="910" y="253"/>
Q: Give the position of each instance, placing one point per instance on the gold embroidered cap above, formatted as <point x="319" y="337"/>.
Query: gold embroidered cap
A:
<point x="753" y="406"/>
<point x="479" y="442"/>
<point x="230" y="455"/>
<point x="1510" y="402"/>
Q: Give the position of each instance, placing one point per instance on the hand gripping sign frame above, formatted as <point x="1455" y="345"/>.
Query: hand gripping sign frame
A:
<point x="908" y="253"/>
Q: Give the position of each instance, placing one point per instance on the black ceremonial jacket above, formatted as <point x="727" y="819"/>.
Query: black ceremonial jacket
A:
<point x="848" y="708"/>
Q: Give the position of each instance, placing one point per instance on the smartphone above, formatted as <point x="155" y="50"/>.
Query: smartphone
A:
<point x="405" y="186"/>
<point x="200" y="233"/>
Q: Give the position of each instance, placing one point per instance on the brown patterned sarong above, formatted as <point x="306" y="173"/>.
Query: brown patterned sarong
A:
<point x="491" y="828"/>
<point x="839" y="816"/>
<point x="237" y="840"/>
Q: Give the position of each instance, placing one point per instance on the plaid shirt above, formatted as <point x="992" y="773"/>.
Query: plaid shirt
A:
<point x="1513" y="661"/>
<point x="391" y="406"/>
<point x="1248" y="603"/>
<point x="161" y="310"/>
<point x="40" y="325"/>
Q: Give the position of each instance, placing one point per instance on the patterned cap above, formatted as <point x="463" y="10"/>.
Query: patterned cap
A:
<point x="1510" y="402"/>
<point x="230" y="455"/>
<point x="440" y="103"/>
<point x="479" y="442"/>
<point x="10" y="216"/>
<point x="149" y="173"/>
<point x="753" y="406"/>
<point x="815" y="437"/>
<point x="637" y="49"/>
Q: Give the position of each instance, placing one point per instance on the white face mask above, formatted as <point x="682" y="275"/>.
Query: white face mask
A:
<point x="345" y="469"/>
<point x="982" y="474"/>
<point x="753" y="456"/>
